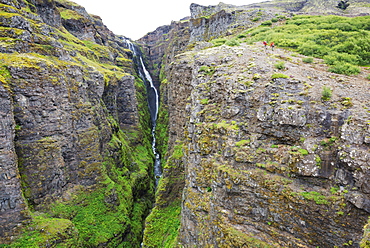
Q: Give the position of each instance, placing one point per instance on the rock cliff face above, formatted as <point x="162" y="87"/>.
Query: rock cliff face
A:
<point x="259" y="149"/>
<point x="266" y="161"/>
<point x="75" y="139"/>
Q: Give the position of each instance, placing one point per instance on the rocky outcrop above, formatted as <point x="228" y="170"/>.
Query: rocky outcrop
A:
<point x="161" y="46"/>
<point x="73" y="120"/>
<point x="266" y="160"/>
<point x="12" y="205"/>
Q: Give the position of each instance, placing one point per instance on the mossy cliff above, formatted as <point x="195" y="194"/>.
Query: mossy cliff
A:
<point x="76" y="160"/>
<point x="273" y="147"/>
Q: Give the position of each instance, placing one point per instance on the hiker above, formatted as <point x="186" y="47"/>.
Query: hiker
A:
<point x="265" y="44"/>
<point x="272" y="45"/>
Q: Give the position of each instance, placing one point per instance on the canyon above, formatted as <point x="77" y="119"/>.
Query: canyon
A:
<point x="252" y="154"/>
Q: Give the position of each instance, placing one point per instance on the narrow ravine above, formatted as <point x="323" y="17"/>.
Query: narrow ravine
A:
<point x="153" y="103"/>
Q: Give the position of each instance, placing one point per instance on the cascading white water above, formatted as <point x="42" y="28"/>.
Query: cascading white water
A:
<point x="145" y="76"/>
<point x="150" y="80"/>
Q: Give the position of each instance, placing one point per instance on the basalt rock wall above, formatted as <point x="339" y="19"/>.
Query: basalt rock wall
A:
<point x="72" y="116"/>
<point x="266" y="161"/>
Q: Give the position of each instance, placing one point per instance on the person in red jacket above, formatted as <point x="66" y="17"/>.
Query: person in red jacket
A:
<point x="265" y="44"/>
<point x="272" y="45"/>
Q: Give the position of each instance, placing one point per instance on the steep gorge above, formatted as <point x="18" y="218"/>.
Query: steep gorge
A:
<point x="252" y="156"/>
<point x="255" y="157"/>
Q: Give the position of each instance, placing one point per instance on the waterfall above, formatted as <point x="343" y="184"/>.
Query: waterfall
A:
<point x="153" y="103"/>
<point x="150" y="80"/>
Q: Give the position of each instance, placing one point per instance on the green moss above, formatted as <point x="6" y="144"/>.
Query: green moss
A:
<point x="334" y="190"/>
<point x="208" y="70"/>
<point x="315" y="196"/>
<point x="47" y="230"/>
<point x="96" y="221"/>
<point x="226" y="126"/>
<point x="5" y="77"/>
<point x="204" y="101"/>
<point x="69" y="14"/>
<point x="256" y="76"/>
<point x="242" y="142"/>
<point x="279" y="75"/>
<point x="178" y="151"/>
<point x="162" y="226"/>
<point x="365" y="242"/>
<point x="24" y="60"/>
<point x="237" y="238"/>
<point x="318" y="160"/>
<point x="303" y="151"/>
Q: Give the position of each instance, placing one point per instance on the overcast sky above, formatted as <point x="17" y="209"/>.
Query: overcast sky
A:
<point x="135" y="18"/>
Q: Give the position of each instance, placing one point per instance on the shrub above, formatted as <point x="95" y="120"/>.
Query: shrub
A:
<point x="326" y="93"/>
<point x="266" y="23"/>
<point x="308" y="60"/>
<point x="274" y="19"/>
<point x="280" y="65"/>
<point x="298" y="22"/>
<point x="219" y="42"/>
<point x="241" y="36"/>
<point x="232" y="42"/>
<point x="279" y="75"/>
<point x="345" y="68"/>
<point x="334" y="57"/>
<point x="280" y="17"/>
<point x="292" y="43"/>
<point x="312" y="49"/>
<point x="368" y="77"/>
<point x="358" y="45"/>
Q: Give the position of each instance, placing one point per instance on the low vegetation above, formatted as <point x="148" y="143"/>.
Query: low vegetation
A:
<point x="343" y="42"/>
<point x="326" y="93"/>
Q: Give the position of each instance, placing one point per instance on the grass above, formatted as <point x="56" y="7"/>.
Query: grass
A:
<point x="344" y="42"/>
<point x="326" y="93"/>
<point x="280" y="65"/>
